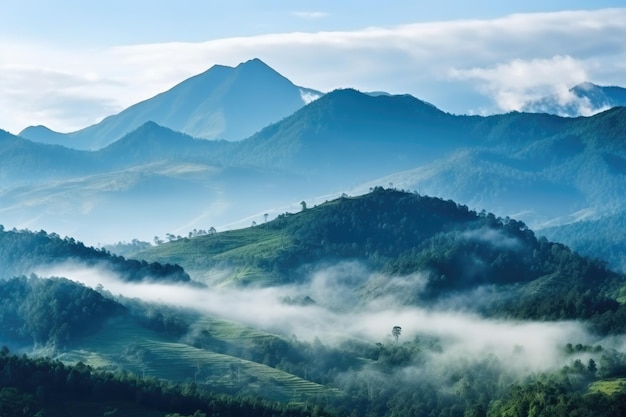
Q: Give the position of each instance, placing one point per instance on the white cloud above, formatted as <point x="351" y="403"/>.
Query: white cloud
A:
<point x="462" y="335"/>
<point x="450" y="64"/>
<point x="513" y="84"/>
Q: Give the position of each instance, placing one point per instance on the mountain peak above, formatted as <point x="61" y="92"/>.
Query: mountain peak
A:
<point x="221" y="103"/>
<point x="584" y="99"/>
<point x="253" y="62"/>
<point x="585" y="88"/>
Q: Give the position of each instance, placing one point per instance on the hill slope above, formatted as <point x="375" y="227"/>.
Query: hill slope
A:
<point x="23" y="252"/>
<point x="400" y="234"/>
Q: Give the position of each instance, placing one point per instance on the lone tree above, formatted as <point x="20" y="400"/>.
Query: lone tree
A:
<point x="396" y="332"/>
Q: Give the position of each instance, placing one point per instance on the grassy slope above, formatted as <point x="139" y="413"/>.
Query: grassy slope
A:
<point x="126" y="344"/>
<point x="608" y="386"/>
<point x="247" y="248"/>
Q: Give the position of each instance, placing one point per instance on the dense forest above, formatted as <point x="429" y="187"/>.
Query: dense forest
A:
<point x="391" y="386"/>
<point x="22" y="250"/>
<point x="51" y="311"/>
<point x="44" y="387"/>
<point x="398" y="233"/>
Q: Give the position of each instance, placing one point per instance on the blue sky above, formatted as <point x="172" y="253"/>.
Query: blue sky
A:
<point x="69" y="63"/>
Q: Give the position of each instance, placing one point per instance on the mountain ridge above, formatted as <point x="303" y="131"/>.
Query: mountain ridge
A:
<point x="222" y="102"/>
<point x="536" y="163"/>
<point x="584" y="99"/>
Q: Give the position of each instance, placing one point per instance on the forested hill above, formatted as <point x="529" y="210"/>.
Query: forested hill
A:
<point x="23" y="251"/>
<point x="46" y="387"/>
<point x="51" y="312"/>
<point x="398" y="234"/>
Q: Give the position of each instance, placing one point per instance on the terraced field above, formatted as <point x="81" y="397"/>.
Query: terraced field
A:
<point x="124" y="344"/>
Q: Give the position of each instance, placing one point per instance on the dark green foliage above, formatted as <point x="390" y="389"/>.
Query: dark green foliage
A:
<point x="402" y="382"/>
<point x="399" y="234"/>
<point x="161" y="318"/>
<point x="32" y="385"/>
<point x="51" y="311"/>
<point x="20" y="251"/>
<point x="556" y="399"/>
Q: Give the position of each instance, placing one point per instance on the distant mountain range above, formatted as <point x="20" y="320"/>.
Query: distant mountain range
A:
<point x="581" y="100"/>
<point x="543" y="169"/>
<point x="221" y="103"/>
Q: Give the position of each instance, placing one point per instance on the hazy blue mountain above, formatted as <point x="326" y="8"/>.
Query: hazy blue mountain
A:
<point x="24" y="161"/>
<point x="581" y="100"/>
<point x="153" y="143"/>
<point x="350" y="132"/>
<point x="221" y="103"/>
<point x="151" y="182"/>
<point x="603" y="238"/>
<point x="541" y="168"/>
<point x="536" y="167"/>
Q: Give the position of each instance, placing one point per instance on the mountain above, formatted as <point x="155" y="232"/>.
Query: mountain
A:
<point x="25" y="162"/>
<point x="221" y="103"/>
<point x="540" y="168"/>
<point x="603" y="238"/>
<point x="151" y="182"/>
<point x="581" y="100"/>
<point x="356" y="133"/>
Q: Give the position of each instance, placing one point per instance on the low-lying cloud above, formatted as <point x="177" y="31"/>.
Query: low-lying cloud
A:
<point x="338" y="314"/>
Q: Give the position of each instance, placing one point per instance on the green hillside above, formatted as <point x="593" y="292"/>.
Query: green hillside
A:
<point x="22" y="251"/>
<point x="399" y="233"/>
<point x="125" y="344"/>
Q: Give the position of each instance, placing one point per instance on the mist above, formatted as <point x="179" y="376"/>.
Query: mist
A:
<point x="339" y="314"/>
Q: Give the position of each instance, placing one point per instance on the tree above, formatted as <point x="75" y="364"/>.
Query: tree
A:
<point x="303" y="204"/>
<point x="265" y="217"/>
<point x="396" y="332"/>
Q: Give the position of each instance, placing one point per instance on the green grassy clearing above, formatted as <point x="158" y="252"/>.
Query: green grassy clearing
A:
<point x="608" y="386"/>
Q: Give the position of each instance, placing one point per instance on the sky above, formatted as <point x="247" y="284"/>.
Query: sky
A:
<point x="69" y="63"/>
